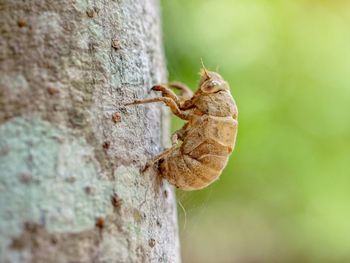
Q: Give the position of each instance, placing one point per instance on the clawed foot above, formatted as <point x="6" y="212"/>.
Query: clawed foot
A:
<point x="147" y="166"/>
<point x="157" y="87"/>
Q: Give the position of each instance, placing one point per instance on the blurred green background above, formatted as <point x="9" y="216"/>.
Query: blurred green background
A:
<point x="285" y="195"/>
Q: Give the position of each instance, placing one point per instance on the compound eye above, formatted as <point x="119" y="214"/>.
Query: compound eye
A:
<point x="214" y="83"/>
<point x="210" y="86"/>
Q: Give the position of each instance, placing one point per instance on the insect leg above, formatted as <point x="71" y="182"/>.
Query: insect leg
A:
<point x="166" y="92"/>
<point x="186" y="95"/>
<point x="184" y="102"/>
<point x="179" y="134"/>
<point x="169" y="102"/>
<point x="174" y="138"/>
<point x="186" y="92"/>
<point x="158" y="157"/>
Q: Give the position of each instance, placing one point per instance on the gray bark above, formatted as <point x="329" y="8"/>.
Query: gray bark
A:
<point x="70" y="151"/>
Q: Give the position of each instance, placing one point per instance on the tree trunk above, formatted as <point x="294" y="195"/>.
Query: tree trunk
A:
<point x="70" y="151"/>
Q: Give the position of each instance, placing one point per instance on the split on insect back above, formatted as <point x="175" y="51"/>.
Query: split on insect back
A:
<point x="208" y="137"/>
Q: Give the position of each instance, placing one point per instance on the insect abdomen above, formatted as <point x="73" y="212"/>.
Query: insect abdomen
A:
<point x="187" y="173"/>
<point x="204" y="153"/>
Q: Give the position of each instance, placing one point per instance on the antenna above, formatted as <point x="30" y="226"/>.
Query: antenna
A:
<point x="205" y="69"/>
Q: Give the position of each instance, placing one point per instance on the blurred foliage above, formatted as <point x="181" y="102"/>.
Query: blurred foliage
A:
<point x="285" y="195"/>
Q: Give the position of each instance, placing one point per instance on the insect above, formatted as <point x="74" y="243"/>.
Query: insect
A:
<point x="208" y="137"/>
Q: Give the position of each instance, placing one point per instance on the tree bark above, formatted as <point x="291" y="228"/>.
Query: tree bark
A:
<point x="70" y="151"/>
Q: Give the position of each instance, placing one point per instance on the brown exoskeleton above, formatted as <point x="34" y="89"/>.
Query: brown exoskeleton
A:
<point x="207" y="138"/>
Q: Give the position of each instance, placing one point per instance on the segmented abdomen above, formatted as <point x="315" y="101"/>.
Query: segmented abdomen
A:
<point x="203" y="154"/>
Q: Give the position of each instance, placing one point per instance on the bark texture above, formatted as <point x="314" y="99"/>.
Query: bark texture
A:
<point x="70" y="152"/>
